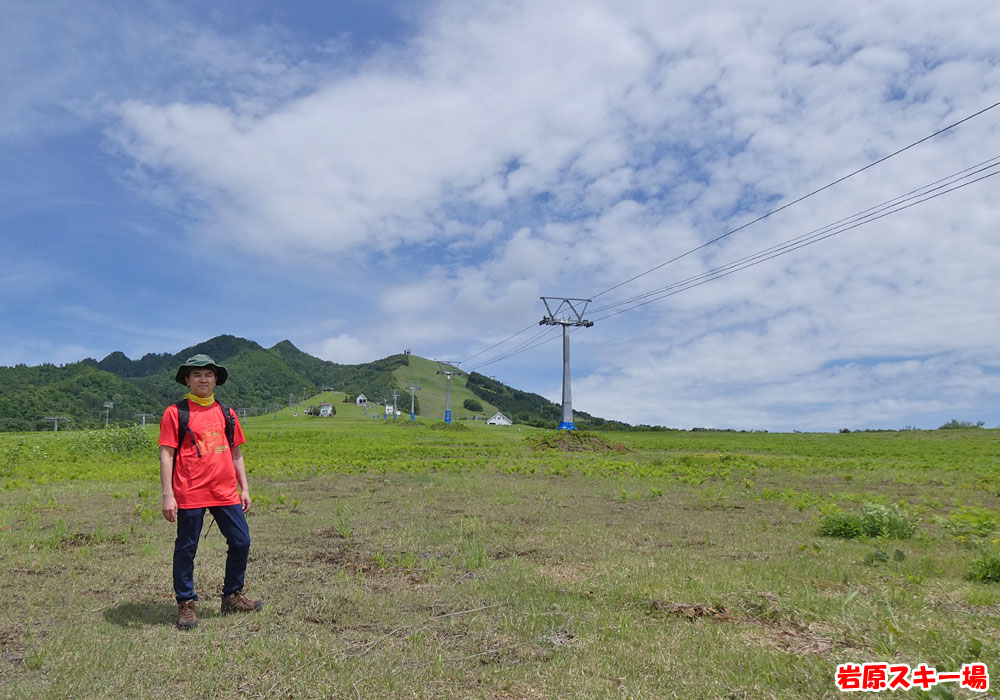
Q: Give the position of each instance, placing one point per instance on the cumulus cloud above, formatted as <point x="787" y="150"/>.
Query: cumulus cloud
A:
<point x="345" y="349"/>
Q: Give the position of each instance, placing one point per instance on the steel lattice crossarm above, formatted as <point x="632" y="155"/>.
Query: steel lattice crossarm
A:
<point x="55" y="421"/>
<point x="571" y="311"/>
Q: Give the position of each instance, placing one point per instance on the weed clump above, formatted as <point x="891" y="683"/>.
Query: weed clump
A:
<point x="986" y="567"/>
<point x="574" y="441"/>
<point x="875" y="520"/>
<point x="115" y="439"/>
<point x="972" y="520"/>
<point x="449" y="426"/>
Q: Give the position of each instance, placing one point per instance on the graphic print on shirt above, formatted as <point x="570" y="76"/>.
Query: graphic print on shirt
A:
<point x="204" y="474"/>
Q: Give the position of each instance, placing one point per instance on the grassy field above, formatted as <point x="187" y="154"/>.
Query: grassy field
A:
<point x="409" y="561"/>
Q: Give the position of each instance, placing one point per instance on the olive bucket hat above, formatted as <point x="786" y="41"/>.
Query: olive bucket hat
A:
<point x="221" y="374"/>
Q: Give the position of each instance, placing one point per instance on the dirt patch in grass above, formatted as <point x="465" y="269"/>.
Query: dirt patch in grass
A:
<point x="84" y="539"/>
<point x="763" y="626"/>
<point x="351" y="558"/>
<point x="504" y="552"/>
<point x="687" y="611"/>
<point x="946" y="602"/>
<point x="519" y="691"/>
<point x="574" y="441"/>
<point x="12" y="646"/>
<point x="567" y="573"/>
<point x="795" y="638"/>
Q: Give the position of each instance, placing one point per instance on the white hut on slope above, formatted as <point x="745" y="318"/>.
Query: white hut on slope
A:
<point x="499" y="419"/>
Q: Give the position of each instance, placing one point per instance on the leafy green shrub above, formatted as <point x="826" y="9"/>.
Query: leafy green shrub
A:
<point x="875" y="520"/>
<point x="473" y="405"/>
<point x="954" y="424"/>
<point x="10" y="457"/>
<point x="846" y="526"/>
<point x="985" y="567"/>
<point x="885" y="521"/>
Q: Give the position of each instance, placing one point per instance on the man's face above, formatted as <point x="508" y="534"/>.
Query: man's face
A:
<point x="201" y="381"/>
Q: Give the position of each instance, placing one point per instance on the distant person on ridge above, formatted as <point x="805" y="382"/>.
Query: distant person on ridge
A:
<point x="201" y="466"/>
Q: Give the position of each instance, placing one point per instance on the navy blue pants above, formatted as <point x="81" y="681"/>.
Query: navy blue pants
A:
<point x="233" y="525"/>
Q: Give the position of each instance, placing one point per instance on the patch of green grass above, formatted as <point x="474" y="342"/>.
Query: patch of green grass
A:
<point x="874" y="520"/>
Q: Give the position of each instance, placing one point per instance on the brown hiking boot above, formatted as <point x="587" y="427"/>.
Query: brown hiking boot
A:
<point x="187" y="619"/>
<point x="237" y="602"/>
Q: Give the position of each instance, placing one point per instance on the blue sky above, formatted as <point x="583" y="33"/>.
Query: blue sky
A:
<point x="363" y="177"/>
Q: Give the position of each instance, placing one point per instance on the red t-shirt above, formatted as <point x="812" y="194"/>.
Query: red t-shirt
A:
<point x="208" y="480"/>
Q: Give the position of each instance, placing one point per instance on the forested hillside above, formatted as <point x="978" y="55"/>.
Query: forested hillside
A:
<point x="258" y="377"/>
<point x="29" y="395"/>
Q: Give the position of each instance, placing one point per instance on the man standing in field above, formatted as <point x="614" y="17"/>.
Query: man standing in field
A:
<point x="201" y="466"/>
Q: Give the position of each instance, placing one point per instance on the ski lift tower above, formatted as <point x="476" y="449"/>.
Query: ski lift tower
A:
<point x="144" y="416"/>
<point x="567" y="313"/>
<point x="447" y="394"/>
<point x="412" y="389"/>
<point x="55" y="421"/>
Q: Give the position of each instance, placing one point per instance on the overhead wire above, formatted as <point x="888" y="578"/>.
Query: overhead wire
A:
<point x="871" y="212"/>
<point x="946" y="185"/>
<point x="530" y="344"/>
<point x="796" y="201"/>
<point x="726" y="270"/>
<point x="762" y="256"/>
<point x="495" y="345"/>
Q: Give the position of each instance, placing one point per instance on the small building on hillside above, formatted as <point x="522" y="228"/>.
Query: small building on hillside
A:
<point x="326" y="410"/>
<point x="499" y="419"/>
<point x="362" y="400"/>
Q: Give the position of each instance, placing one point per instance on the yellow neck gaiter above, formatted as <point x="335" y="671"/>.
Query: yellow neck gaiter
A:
<point x="207" y="401"/>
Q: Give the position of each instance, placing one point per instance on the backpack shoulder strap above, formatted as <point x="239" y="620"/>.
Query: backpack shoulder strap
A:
<point x="227" y="413"/>
<point x="183" y="418"/>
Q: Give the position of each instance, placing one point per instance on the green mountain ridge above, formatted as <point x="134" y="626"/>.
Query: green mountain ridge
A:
<point x="259" y="378"/>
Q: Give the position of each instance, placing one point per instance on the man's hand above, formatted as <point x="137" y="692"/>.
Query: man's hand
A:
<point x="170" y="508"/>
<point x="246" y="501"/>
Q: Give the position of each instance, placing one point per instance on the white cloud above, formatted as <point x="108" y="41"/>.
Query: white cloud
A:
<point x="346" y="349"/>
<point x="511" y="150"/>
